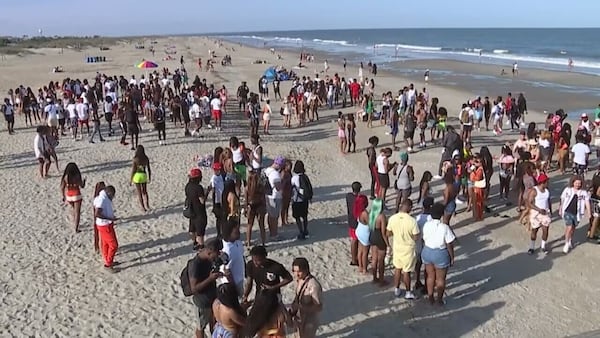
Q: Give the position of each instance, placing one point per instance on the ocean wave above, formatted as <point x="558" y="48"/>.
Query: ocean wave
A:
<point x="500" y="51"/>
<point x="335" y="42"/>
<point x="402" y="46"/>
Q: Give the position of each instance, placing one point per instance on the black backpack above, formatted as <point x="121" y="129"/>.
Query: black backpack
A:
<point x="263" y="180"/>
<point x="159" y="115"/>
<point x="185" y="279"/>
<point x="306" y="186"/>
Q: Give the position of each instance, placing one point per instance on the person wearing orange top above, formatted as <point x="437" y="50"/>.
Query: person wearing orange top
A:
<point x="477" y="176"/>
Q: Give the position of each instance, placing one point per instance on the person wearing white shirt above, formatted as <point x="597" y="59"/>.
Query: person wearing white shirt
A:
<point x="581" y="153"/>
<point x="41" y="150"/>
<point x="215" y="105"/>
<point x="52" y="116"/>
<point x="438" y="253"/>
<point x="574" y="206"/>
<point x="104" y="222"/>
<point x="83" y="115"/>
<point x="72" y="115"/>
<point x="234" y="248"/>
<point x="217" y="185"/>
<point x="274" y="195"/>
<point x="9" y="115"/>
<point x="133" y="81"/>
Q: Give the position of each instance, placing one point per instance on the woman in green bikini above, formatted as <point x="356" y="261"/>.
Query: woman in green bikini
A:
<point x="139" y="176"/>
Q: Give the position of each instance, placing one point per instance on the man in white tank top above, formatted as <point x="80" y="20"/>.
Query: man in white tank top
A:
<point x="540" y="212"/>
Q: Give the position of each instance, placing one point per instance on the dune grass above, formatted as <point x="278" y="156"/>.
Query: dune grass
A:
<point x="12" y="46"/>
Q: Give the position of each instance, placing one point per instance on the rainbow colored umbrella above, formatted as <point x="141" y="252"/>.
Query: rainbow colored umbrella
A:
<point x="146" y="65"/>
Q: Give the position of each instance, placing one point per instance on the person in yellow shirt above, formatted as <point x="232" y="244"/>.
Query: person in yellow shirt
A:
<point x="403" y="229"/>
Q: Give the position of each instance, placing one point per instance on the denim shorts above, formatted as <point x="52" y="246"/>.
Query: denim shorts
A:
<point x="450" y="207"/>
<point x="570" y="219"/>
<point x="440" y="258"/>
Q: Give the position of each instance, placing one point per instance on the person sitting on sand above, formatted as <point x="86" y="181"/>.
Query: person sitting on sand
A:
<point x="70" y="185"/>
<point x="139" y="177"/>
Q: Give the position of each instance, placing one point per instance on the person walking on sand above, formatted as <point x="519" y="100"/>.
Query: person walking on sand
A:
<point x="405" y="232"/>
<point x="42" y="151"/>
<point x="266" y="117"/>
<point x="8" y="111"/>
<point x="70" y="187"/>
<point x="256" y="206"/>
<point x="574" y="206"/>
<point x="540" y="212"/>
<point x="96" y="126"/>
<point x="302" y="194"/>
<point x="372" y="163"/>
<point x="308" y="303"/>
<point x="139" y="177"/>
<point x="105" y="221"/>
<point x="217" y="114"/>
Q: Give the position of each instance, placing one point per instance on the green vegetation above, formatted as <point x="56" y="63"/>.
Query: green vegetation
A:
<point x="23" y="45"/>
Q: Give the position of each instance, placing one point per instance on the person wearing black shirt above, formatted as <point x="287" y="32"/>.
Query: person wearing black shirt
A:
<point x="203" y="284"/>
<point x="242" y="94"/>
<point x="353" y="222"/>
<point x="265" y="272"/>
<point x="194" y="194"/>
<point x="133" y="126"/>
<point x="160" y="123"/>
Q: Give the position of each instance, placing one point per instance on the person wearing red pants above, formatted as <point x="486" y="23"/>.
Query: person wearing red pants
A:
<point x="105" y="219"/>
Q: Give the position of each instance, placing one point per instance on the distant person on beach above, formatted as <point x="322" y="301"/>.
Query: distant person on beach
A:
<point x="515" y="69"/>
<point x="8" y="111"/>
<point x="141" y="175"/>
<point x="426" y="76"/>
<point x="133" y="126"/>
<point x="70" y="187"/>
<point x="345" y="65"/>
<point x="105" y="220"/>
<point x="570" y="64"/>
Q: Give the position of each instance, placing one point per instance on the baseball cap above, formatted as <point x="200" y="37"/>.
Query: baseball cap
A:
<point x="428" y="202"/>
<point x="356" y="186"/>
<point x="279" y="161"/>
<point x="217" y="166"/>
<point x="542" y="178"/>
<point x="195" y="173"/>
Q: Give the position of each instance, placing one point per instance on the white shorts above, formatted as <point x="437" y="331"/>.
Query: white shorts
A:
<point x="537" y="220"/>
<point x="266" y="117"/>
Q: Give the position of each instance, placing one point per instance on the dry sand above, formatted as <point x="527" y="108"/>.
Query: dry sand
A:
<point x="53" y="284"/>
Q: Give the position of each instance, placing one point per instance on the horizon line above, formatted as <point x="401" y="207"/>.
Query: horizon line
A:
<point x="286" y="30"/>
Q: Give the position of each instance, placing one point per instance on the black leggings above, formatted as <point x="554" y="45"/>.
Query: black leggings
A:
<point x="373" y="181"/>
<point x="504" y="185"/>
<point x="160" y="127"/>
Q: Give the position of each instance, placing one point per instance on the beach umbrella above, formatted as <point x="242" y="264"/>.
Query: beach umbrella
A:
<point x="146" y="64"/>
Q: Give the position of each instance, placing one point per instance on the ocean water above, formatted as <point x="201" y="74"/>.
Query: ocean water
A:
<point x="535" y="48"/>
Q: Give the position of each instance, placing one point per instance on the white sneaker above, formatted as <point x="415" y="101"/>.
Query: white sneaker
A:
<point x="409" y="295"/>
<point x="570" y="244"/>
<point x="398" y="292"/>
<point x="458" y="201"/>
<point x="409" y="149"/>
<point x="566" y="248"/>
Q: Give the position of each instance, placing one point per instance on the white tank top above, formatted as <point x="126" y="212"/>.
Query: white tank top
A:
<point x="541" y="199"/>
<point x="381" y="169"/>
<point x="237" y="155"/>
<point x="255" y="163"/>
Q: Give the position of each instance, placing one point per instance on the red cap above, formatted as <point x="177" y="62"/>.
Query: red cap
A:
<point x="195" y="173"/>
<point x="542" y="178"/>
<point x="217" y="166"/>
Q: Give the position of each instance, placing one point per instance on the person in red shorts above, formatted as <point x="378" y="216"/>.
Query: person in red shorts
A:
<point x="217" y="114"/>
<point x="105" y="222"/>
<point x="352" y="222"/>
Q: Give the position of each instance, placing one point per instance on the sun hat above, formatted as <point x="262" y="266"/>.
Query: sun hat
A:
<point x="279" y="161"/>
<point x="195" y="173"/>
<point x="542" y="178"/>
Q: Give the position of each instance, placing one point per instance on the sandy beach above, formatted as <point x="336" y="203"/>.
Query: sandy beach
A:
<point x="53" y="283"/>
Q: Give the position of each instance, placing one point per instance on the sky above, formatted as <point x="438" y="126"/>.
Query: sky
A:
<point x="161" y="17"/>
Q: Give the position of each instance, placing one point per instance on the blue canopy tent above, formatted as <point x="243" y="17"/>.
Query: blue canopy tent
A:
<point x="270" y="74"/>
